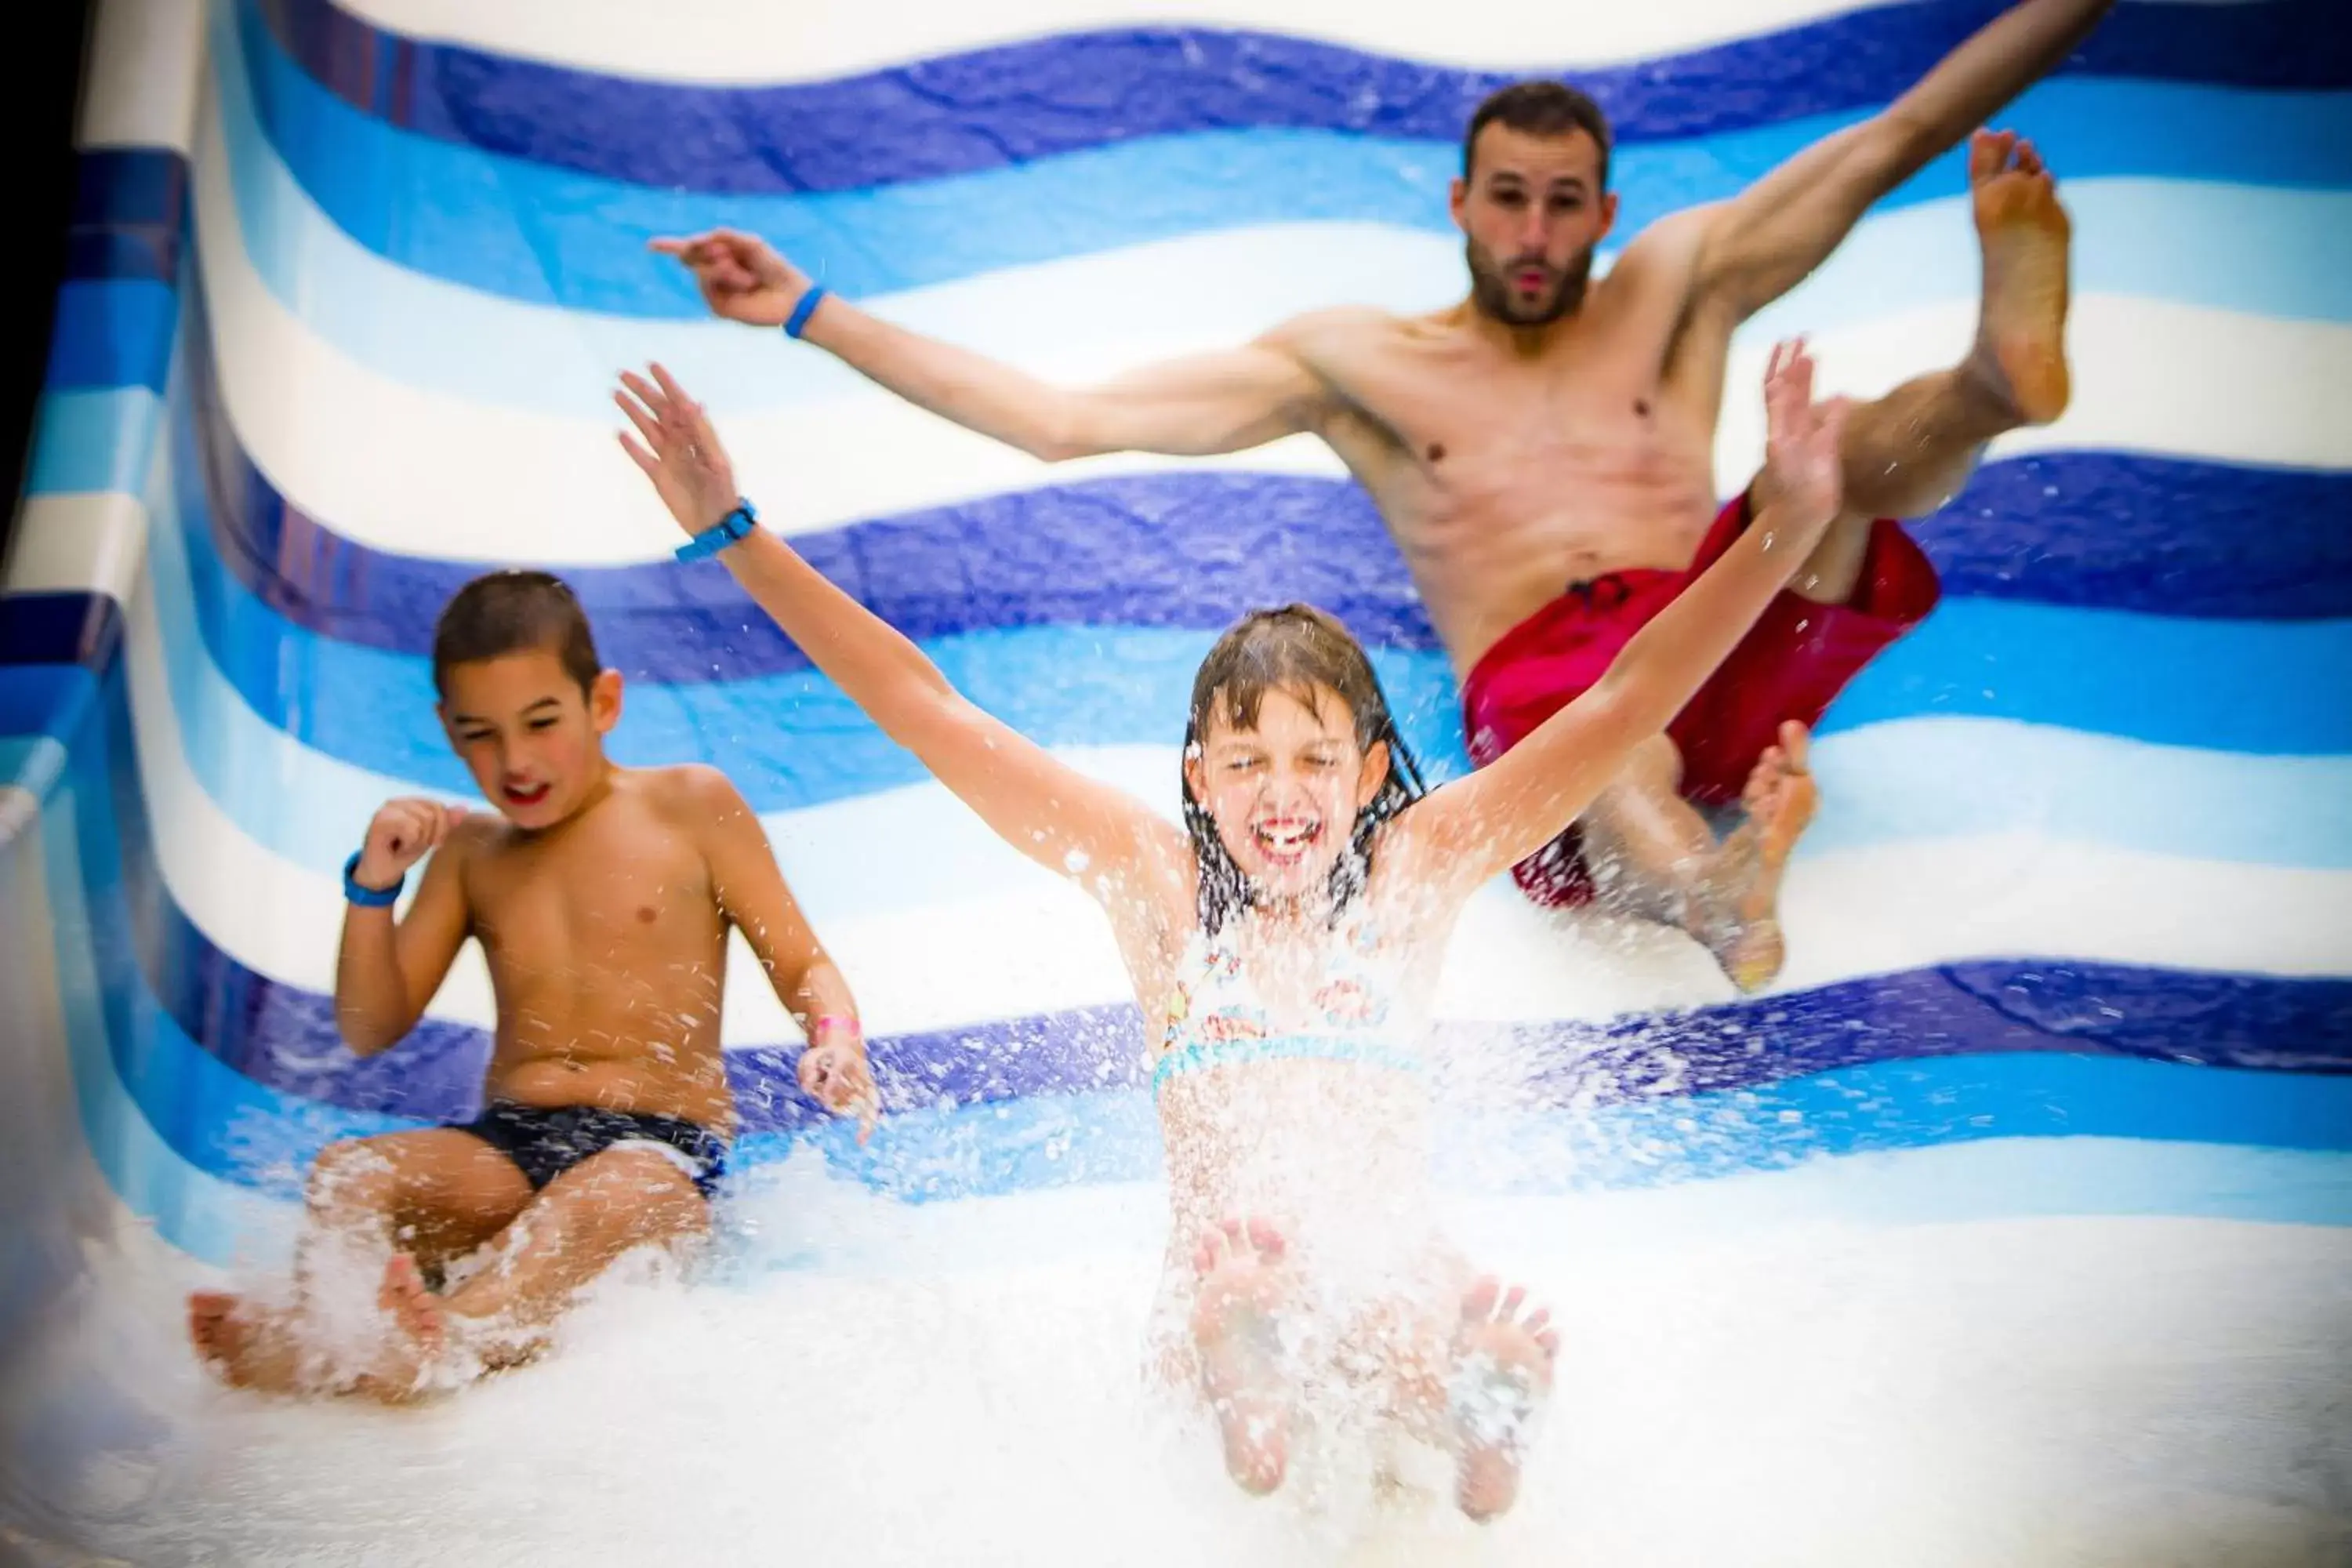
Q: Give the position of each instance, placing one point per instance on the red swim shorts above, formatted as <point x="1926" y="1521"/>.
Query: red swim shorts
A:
<point x="1792" y="664"/>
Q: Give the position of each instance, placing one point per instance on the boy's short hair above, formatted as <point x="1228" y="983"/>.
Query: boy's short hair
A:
<point x="1539" y="108"/>
<point x="514" y="612"/>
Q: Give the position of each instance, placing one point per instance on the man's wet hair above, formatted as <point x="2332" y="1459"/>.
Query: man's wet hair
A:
<point x="514" y="612"/>
<point x="1539" y="108"/>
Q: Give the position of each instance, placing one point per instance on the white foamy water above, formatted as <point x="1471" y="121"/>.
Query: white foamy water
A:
<point x="865" y="1383"/>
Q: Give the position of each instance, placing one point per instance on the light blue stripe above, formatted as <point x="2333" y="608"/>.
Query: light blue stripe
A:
<point x="531" y="232"/>
<point x="2277" y="686"/>
<point x="94" y="440"/>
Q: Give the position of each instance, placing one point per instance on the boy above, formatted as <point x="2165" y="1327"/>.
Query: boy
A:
<point x="601" y="896"/>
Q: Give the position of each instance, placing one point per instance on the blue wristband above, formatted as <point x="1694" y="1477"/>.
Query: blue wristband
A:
<point x="728" y="530"/>
<point x="369" y="898"/>
<point x="804" y="310"/>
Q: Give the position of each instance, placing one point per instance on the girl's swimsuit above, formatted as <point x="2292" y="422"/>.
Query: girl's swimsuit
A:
<point x="1216" y="1018"/>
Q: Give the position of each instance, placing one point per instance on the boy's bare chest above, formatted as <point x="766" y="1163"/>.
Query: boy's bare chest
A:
<point x="619" y="893"/>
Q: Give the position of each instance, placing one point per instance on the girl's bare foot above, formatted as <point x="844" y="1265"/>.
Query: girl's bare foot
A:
<point x="1244" y="1282"/>
<point x="1501" y="1379"/>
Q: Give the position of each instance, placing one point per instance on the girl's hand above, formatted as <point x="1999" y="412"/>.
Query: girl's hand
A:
<point x="679" y="451"/>
<point x="1803" y="474"/>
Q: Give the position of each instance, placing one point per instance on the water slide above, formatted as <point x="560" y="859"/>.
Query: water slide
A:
<point x="2010" y="1228"/>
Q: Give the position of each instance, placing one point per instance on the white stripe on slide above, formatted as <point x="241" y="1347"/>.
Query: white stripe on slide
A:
<point x="139" y="91"/>
<point x="723" y="41"/>
<point x="351" y="448"/>
<point x="78" y="543"/>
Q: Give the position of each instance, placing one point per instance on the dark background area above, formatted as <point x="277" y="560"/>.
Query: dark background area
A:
<point x="40" y="80"/>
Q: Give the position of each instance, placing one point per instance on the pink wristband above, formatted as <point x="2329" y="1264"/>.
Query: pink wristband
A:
<point x="825" y="1022"/>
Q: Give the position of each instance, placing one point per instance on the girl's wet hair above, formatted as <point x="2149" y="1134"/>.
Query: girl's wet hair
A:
<point x="1301" y="651"/>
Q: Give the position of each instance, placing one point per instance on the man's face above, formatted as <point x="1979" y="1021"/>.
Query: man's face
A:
<point x="1531" y="211"/>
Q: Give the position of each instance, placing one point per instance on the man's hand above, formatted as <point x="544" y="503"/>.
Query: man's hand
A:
<point x="1803" y="480"/>
<point x="680" y="453"/>
<point x="740" y="275"/>
<point x="401" y="833"/>
<point x="834" y="1073"/>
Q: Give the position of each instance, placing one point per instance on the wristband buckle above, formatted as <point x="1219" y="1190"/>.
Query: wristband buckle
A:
<point x="732" y="529"/>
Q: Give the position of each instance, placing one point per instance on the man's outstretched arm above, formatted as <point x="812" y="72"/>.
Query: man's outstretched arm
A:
<point x="1188" y="407"/>
<point x="1763" y="242"/>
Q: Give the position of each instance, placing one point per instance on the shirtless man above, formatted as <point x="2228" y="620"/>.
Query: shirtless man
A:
<point x="1542" y="451"/>
<point x="603" y="897"/>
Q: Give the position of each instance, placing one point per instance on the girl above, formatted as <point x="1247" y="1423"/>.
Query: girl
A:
<point x="1283" y="943"/>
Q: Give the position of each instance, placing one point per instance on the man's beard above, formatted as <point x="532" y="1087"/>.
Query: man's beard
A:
<point x="1491" y="291"/>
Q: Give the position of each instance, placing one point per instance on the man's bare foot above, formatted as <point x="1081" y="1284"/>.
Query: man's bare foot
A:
<point x="1501" y="1378"/>
<point x="2025" y="234"/>
<point x="414" y="1328"/>
<point x="1741" y="925"/>
<point x="1243" y="1285"/>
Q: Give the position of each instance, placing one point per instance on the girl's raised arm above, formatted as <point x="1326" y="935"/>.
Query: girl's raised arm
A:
<point x="1078" y="826"/>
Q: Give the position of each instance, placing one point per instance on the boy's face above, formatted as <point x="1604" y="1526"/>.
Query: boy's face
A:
<point x="533" y="740"/>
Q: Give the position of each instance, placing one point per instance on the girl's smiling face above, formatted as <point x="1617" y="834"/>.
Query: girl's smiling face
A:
<point x="1284" y="792"/>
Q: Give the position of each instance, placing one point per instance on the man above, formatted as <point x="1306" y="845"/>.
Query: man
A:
<point x="1541" y="451"/>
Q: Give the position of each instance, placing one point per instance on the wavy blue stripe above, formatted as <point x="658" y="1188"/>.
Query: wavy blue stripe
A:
<point x="525" y="231"/>
<point x="791" y="742"/>
<point x="2241" y="685"/>
<point x="1020" y="103"/>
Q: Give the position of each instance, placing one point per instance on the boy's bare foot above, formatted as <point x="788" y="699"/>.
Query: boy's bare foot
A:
<point x="245" y="1345"/>
<point x="1501" y="1378"/>
<point x="1743" y="930"/>
<point x="1243" y="1283"/>
<point x="2025" y="234"/>
<point x="414" y="1329"/>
